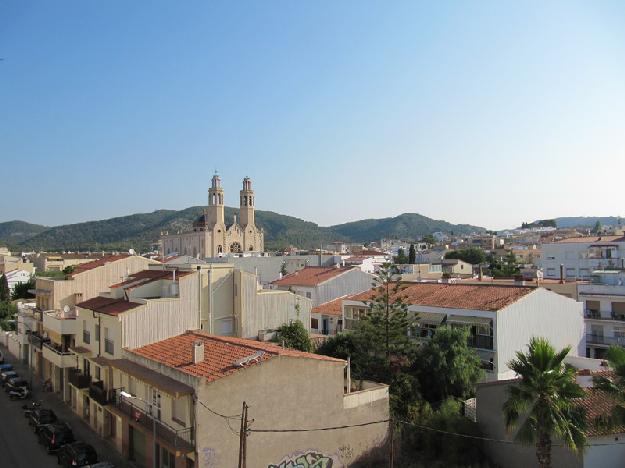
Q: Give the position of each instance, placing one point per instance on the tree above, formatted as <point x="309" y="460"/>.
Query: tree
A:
<point x="5" y="292"/>
<point x="401" y="258"/>
<point x="295" y="336"/>
<point x="384" y="328"/>
<point x="283" y="270"/>
<point x="597" y="228"/>
<point x="446" y="366"/>
<point x="412" y="255"/>
<point x="615" y="387"/>
<point x="20" y="291"/>
<point x="542" y="405"/>
<point x="68" y="270"/>
<point x="429" y="239"/>
<point x="472" y="255"/>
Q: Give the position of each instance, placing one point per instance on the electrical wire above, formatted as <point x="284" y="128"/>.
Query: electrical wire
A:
<point x="237" y="416"/>
<point x="346" y="426"/>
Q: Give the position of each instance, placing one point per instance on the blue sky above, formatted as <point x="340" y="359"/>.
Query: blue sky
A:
<point x="490" y="113"/>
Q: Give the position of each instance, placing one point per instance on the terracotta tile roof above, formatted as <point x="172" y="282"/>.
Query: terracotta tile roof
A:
<point x="590" y="239"/>
<point x="369" y="253"/>
<point x="156" y="379"/>
<point x="108" y="305"/>
<point x="97" y="263"/>
<point x="220" y="354"/>
<point x="334" y="307"/>
<point x="310" y="276"/>
<point x="598" y="405"/>
<point x="147" y="276"/>
<point x="456" y="296"/>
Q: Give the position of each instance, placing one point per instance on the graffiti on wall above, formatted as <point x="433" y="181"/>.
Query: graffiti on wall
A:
<point x="309" y="459"/>
<point x="209" y="457"/>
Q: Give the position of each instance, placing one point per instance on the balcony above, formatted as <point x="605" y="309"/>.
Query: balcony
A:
<point x="37" y="339"/>
<point x="597" y="315"/>
<point x="605" y="340"/>
<point x="59" y="322"/>
<point x="98" y="393"/>
<point x="481" y="342"/>
<point x="182" y="439"/>
<point x="78" y="379"/>
<point x="58" y="355"/>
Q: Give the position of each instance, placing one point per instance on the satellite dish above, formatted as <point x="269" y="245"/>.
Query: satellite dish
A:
<point x="132" y="252"/>
<point x="66" y="309"/>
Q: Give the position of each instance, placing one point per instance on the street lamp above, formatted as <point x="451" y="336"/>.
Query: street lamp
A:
<point x="124" y="394"/>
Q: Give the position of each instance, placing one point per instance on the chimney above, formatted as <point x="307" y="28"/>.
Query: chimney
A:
<point x="198" y="351"/>
<point x="561" y="273"/>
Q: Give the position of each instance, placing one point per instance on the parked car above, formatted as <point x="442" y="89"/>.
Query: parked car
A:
<point x="15" y="382"/>
<point x="54" y="436"/>
<point x="41" y="416"/>
<point x="76" y="454"/>
<point x="5" y="367"/>
<point x="6" y="375"/>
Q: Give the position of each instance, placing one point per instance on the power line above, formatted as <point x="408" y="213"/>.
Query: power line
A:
<point x="237" y="416"/>
<point x="346" y="426"/>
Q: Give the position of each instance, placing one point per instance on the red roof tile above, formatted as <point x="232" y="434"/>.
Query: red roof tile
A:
<point x="147" y="276"/>
<point x="220" y="354"/>
<point x="108" y="305"/>
<point x="590" y="239"/>
<point x="97" y="263"/>
<point x="334" y="307"/>
<point x="599" y="405"/>
<point x="310" y="276"/>
<point x="456" y="296"/>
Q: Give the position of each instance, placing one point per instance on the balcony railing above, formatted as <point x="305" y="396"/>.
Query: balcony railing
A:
<point x="58" y="349"/>
<point x="605" y="340"/>
<point x="78" y="379"/>
<point x="596" y="315"/>
<point x="109" y="346"/>
<point x="37" y="339"/>
<point x="98" y="393"/>
<point x="181" y="439"/>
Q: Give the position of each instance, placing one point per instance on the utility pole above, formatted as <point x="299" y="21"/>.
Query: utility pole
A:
<point x="391" y="449"/>
<point x="243" y="437"/>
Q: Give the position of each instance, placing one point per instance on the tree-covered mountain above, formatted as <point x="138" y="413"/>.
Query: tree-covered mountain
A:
<point x="405" y="226"/>
<point x="587" y="221"/>
<point x="140" y="231"/>
<point x="15" y="232"/>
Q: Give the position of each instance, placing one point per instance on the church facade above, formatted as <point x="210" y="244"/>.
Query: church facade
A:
<point x="210" y="236"/>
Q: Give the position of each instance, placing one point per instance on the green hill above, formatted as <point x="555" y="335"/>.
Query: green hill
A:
<point x="140" y="231"/>
<point x="406" y="226"/>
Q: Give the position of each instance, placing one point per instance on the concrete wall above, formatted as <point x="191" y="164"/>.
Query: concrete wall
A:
<point x="284" y="393"/>
<point x="541" y="313"/>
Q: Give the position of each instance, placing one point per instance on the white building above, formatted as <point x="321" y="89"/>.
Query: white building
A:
<point x="604" y="311"/>
<point x="580" y="256"/>
<point x="15" y="277"/>
<point x="321" y="284"/>
<point x="501" y="319"/>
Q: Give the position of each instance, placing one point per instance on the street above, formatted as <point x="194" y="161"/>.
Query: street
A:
<point x="18" y="443"/>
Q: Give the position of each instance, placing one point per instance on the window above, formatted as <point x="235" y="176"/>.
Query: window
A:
<point x="97" y="332"/>
<point x="314" y="323"/>
<point x="178" y="410"/>
<point x="156" y="404"/>
<point x="308" y="295"/>
<point x="86" y="335"/>
<point x="131" y="386"/>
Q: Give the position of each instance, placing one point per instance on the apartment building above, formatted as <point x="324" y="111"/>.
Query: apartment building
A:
<point x="56" y="301"/>
<point x="9" y="263"/>
<point x="190" y="390"/>
<point x="501" y="319"/>
<point x="59" y="261"/>
<point x="604" y="311"/>
<point x="580" y="256"/>
<point x="324" y="284"/>
<point x="327" y="318"/>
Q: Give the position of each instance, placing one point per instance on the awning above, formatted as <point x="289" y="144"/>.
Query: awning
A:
<point x="162" y="382"/>
<point x="469" y="320"/>
<point x="430" y="317"/>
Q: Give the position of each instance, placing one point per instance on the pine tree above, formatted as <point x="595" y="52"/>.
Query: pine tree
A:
<point x="412" y="255"/>
<point x="5" y="292"/>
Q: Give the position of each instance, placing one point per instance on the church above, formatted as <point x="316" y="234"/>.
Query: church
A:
<point x="210" y="236"/>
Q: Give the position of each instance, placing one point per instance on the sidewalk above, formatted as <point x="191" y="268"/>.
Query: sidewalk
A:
<point x="106" y="450"/>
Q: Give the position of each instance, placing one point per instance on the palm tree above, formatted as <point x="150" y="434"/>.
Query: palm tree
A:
<point x="615" y="387"/>
<point x="542" y="406"/>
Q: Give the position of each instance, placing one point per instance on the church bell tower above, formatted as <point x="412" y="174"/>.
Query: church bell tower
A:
<point x="247" y="204"/>
<point x="215" y="212"/>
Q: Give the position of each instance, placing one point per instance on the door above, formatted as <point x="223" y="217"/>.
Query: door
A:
<point x="137" y="447"/>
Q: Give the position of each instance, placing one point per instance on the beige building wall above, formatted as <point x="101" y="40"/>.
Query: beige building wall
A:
<point x="8" y="263"/>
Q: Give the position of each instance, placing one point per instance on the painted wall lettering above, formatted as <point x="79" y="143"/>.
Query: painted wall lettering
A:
<point x="309" y="459"/>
